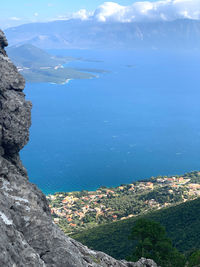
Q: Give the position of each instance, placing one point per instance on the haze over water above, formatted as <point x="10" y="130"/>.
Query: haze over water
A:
<point x="139" y="120"/>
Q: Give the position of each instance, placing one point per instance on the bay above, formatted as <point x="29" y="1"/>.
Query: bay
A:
<point x="139" y="119"/>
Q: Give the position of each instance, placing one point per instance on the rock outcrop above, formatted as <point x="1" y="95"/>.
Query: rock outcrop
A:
<point x="28" y="235"/>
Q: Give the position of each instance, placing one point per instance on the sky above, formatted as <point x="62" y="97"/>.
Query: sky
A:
<point x="18" y="12"/>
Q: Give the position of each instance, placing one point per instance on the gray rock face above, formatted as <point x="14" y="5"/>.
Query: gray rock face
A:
<point x="28" y="235"/>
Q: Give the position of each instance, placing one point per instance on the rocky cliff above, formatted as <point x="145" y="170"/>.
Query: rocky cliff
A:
<point x="28" y="235"/>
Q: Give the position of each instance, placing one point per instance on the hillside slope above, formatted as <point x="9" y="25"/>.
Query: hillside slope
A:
<point x="36" y="65"/>
<point x="182" y="224"/>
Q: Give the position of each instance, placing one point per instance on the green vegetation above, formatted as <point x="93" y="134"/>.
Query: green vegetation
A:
<point x="30" y="56"/>
<point x="36" y="65"/>
<point x="153" y="243"/>
<point x="60" y="75"/>
<point x="194" y="259"/>
<point x="181" y="222"/>
<point x="78" y="211"/>
<point x="92" y="70"/>
<point x="103" y="219"/>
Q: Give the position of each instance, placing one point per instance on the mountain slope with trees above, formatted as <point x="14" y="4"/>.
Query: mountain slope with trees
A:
<point x="181" y="222"/>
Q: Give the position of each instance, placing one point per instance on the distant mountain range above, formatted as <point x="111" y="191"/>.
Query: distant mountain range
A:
<point x="78" y="34"/>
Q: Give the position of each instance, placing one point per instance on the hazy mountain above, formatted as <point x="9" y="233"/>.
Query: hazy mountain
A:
<point x="182" y="33"/>
<point x="30" y="56"/>
<point x="37" y="65"/>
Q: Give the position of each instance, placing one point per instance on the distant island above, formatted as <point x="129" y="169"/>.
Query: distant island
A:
<point x="37" y="66"/>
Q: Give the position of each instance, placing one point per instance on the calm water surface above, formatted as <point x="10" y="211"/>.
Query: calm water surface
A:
<point x="139" y="120"/>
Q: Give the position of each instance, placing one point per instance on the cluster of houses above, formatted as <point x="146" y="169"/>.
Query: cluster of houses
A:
<point x="74" y="210"/>
<point x="193" y="189"/>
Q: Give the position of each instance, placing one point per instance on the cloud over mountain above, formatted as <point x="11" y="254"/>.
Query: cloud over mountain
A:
<point x="166" y="10"/>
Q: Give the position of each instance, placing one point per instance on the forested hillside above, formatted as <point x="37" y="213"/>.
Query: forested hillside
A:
<point x="182" y="224"/>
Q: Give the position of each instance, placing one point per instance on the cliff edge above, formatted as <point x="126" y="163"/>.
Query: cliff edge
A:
<point x="28" y="235"/>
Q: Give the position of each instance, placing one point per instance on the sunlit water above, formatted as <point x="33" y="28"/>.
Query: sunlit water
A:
<point x="139" y="120"/>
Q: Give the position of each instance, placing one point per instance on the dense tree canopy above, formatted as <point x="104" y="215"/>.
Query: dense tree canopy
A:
<point x="153" y="243"/>
<point x="194" y="260"/>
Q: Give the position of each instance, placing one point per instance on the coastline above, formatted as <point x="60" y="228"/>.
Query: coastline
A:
<point x="80" y="210"/>
<point x="92" y="189"/>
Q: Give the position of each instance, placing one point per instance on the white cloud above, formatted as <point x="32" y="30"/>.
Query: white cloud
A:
<point x="143" y="11"/>
<point x="82" y="14"/>
<point x="15" y="18"/>
<point x="109" y="10"/>
<point x="165" y="10"/>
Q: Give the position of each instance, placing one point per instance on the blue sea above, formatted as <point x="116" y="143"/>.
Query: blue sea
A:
<point x="139" y="119"/>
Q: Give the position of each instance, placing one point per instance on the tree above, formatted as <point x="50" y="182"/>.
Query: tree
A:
<point x="194" y="260"/>
<point x="153" y="243"/>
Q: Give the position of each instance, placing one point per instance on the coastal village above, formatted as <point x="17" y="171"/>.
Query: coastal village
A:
<point x="75" y="211"/>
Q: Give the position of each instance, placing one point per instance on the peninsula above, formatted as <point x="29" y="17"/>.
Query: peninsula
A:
<point x="38" y="66"/>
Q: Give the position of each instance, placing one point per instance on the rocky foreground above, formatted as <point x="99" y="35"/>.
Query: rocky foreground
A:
<point x="28" y="235"/>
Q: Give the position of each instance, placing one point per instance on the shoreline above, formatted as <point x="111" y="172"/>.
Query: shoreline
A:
<point x="140" y="180"/>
